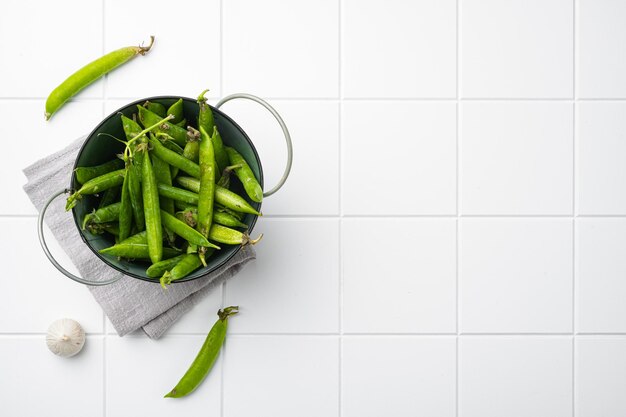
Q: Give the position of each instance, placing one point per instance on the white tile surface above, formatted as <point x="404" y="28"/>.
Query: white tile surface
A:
<point x="185" y="58"/>
<point x="515" y="275"/>
<point x="516" y="377"/>
<point x="281" y="376"/>
<point x="516" y="158"/>
<point x="406" y="286"/>
<point x="292" y="51"/>
<point x="517" y="48"/>
<point x="600" y="284"/>
<point x="601" y="57"/>
<point x="390" y="62"/>
<point x="399" y="158"/>
<point x="293" y="286"/>
<point x="139" y="372"/>
<point x="600" y="376"/>
<point x="601" y="172"/>
<point x="35" y="382"/>
<point x="313" y="184"/>
<point x="39" y="138"/>
<point x="34" y="288"/>
<point x="419" y="378"/>
<point x="41" y="47"/>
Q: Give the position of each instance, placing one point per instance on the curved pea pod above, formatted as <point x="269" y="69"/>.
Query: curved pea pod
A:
<point x="90" y="73"/>
<point x="158" y="269"/>
<point x="245" y="175"/>
<point x="84" y="174"/>
<point x="126" y="209"/>
<point x="223" y="196"/>
<point x="105" y="214"/>
<point x="206" y="357"/>
<point x="156" y="108"/>
<point x="136" y="197"/>
<point x="190" y="234"/>
<point x="136" y="250"/>
<point x="178" y="194"/>
<point x="151" y="210"/>
<point x="148" y="118"/>
<point x="176" y="109"/>
<point x="184" y="267"/>
<point x="175" y="159"/>
<point x="221" y="157"/>
<point x="96" y="185"/>
<point x="192" y="148"/>
<point x="228" y="236"/>
<point x="110" y="196"/>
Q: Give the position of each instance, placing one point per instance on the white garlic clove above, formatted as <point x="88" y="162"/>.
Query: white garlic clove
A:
<point x="65" y="337"/>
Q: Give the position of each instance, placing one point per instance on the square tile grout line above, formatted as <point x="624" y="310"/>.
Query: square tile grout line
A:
<point x="574" y="198"/>
<point x="104" y="323"/>
<point x="458" y="207"/>
<point x="340" y="306"/>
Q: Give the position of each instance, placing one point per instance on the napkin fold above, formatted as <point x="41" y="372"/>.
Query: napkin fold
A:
<point x="129" y="303"/>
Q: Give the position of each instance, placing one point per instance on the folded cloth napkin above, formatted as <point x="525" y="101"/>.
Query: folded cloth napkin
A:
<point x="129" y="303"/>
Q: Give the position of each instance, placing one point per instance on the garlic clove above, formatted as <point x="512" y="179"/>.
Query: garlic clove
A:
<point x="65" y="337"/>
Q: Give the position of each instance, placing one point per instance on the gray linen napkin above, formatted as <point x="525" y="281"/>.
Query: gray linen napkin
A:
<point x="129" y="303"/>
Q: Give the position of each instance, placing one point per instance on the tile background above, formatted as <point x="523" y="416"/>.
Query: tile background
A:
<point x="450" y="243"/>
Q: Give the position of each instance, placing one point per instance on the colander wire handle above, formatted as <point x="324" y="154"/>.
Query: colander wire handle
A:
<point x="283" y="126"/>
<point x="57" y="265"/>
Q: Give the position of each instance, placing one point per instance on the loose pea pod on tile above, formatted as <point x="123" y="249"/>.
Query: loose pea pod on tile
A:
<point x="245" y="175"/>
<point x="96" y="185"/>
<point x="90" y="73"/>
<point x="148" y="118"/>
<point x="206" y="357"/>
<point x="84" y="174"/>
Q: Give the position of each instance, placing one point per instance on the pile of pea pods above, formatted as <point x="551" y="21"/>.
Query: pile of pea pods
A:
<point x="167" y="199"/>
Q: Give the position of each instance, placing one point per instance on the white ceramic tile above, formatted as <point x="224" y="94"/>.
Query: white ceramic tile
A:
<point x="515" y="377"/>
<point x="42" y="46"/>
<point x="313" y="184"/>
<point x="202" y="315"/>
<point x="34" y="293"/>
<point x="600" y="284"/>
<point x="516" y="158"/>
<point x="399" y="48"/>
<point x="399" y="275"/>
<point x="279" y="48"/>
<point x="517" y="48"/>
<point x="601" y="172"/>
<point x="114" y="104"/>
<point x="36" y="383"/>
<point x="292" y="286"/>
<point x="399" y="158"/>
<point x="186" y="55"/>
<point x="140" y="371"/>
<point x="600" y="377"/>
<point x="515" y="275"/>
<point x="601" y="58"/>
<point x="36" y="139"/>
<point x="281" y="376"/>
<point x="411" y="376"/>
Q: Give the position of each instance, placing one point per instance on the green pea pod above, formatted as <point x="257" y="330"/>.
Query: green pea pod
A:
<point x="206" y="357"/>
<point x="156" y="108"/>
<point x="178" y="194"/>
<point x="99" y="228"/>
<point x="228" y="236"/>
<point x="126" y="209"/>
<point x="110" y="196"/>
<point x="148" y="118"/>
<point x="151" y="210"/>
<point x="141" y="237"/>
<point x="96" y="185"/>
<point x="225" y="178"/>
<point x="181" y="229"/>
<point x="177" y="110"/>
<point x="192" y="148"/>
<point x="163" y="176"/>
<point x="190" y="216"/>
<point x="173" y="146"/>
<point x="182" y="123"/>
<point x="133" y="250"/>
<point x="223" y="196"/>
<point x="206" y="194"/>
<point x="245" y="175"/>
<point x="90" y="73"/>
<point x="220" y="208"/>
<point x="158" y="269"/>
<point x="105" y="214"/>
<point x="184" y="267"/>
<point x="84" y="174"/>
<point x="221" y="157"/>
<point x="180" y="205"/>
<point x="175" y="159"/>
<point x="131" y="131"/>
<point x="136" y="197"/>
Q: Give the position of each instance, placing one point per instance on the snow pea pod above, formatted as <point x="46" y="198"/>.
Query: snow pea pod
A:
<point x="84" y="174"/>
<point x="90" y="73"/>
<point x="206" y="357"/>
<point x="183" y="230"/>
<point x="95" y="185"/>
<point x="148" y="118"/>
<point x="223" y="196"/>
<point x="151" y="210"/>
<point x="245" y="175"/>
<point x="158" y="269"/>
<point x="176" y="109"/>
<point x="175" y="159"/>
